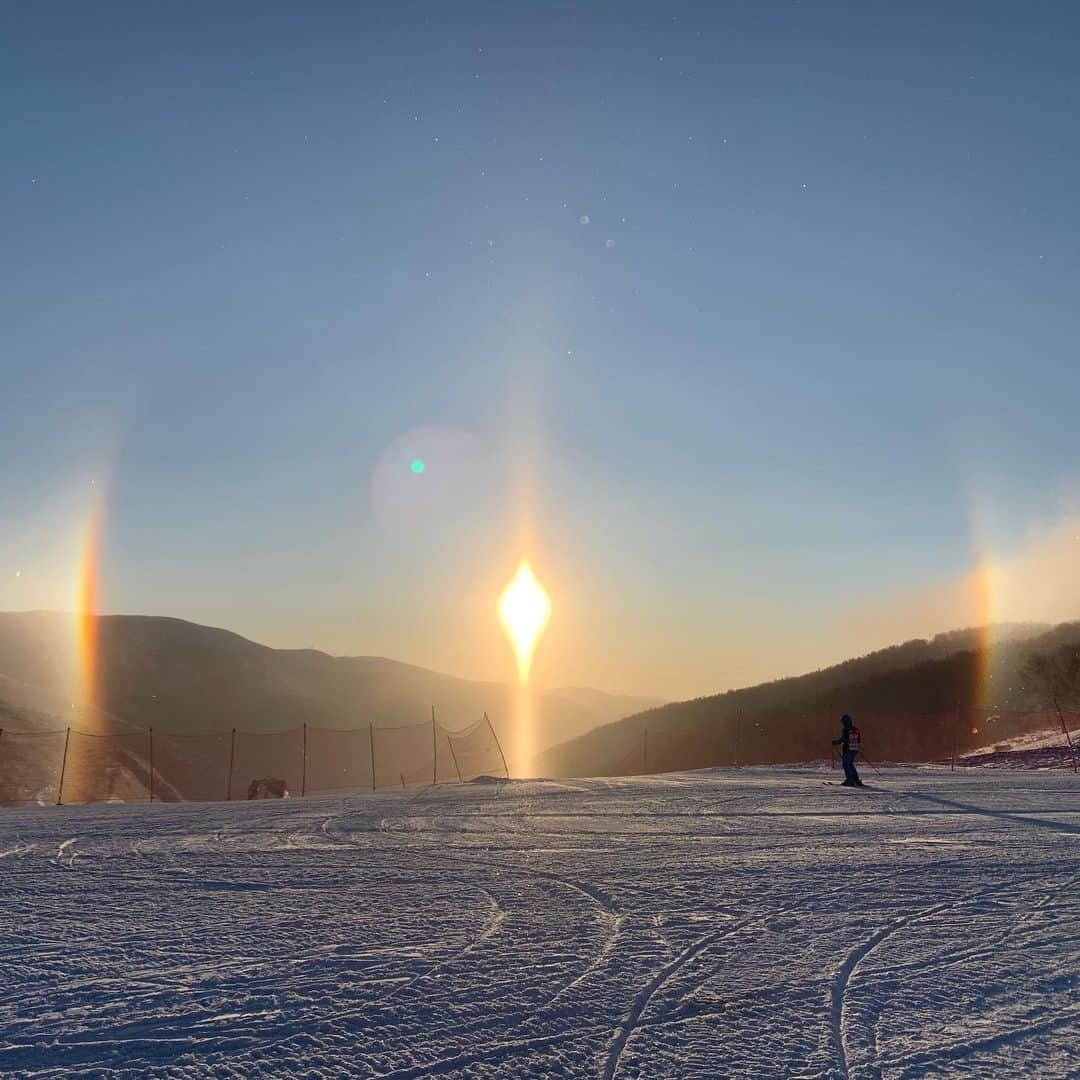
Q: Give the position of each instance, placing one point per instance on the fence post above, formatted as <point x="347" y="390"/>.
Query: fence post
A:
<point x="371" y="735"/>
<point x="151" y="764"/>
<point x="1065" y="728"/>
<point x="956" y="728"/>
<point x="450" y="743"/>
<point x="63" y="769"/>
<point x="303" y="775"/>
<point x="232" y="758"/>
<point x="498" y="746"/>
<point x="434" y="751"/>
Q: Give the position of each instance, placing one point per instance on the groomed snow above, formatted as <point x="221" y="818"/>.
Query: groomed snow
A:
<point x="731" y="923"/>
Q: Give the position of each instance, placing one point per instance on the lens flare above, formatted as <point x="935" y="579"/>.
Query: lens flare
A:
<point x="524" y="608"/>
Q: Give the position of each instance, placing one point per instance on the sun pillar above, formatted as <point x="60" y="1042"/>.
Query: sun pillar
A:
<point x="985" y="693"/>
<point x="524" y="608"/>
<point x="87" y="610"/>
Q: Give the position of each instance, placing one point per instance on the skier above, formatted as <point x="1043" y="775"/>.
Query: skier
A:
<point x="849" y="745"/>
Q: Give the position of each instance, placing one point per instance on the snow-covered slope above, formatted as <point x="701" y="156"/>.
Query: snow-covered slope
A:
<point x="750" y="923"/>
<point x="1037" y="750"/>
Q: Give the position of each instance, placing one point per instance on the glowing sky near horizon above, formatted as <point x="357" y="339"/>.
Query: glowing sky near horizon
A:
<point x="764" y="314"/>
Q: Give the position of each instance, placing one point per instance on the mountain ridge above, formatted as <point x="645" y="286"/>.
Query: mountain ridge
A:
<point x="918" y="697"/>
<point x="181" y="676"/>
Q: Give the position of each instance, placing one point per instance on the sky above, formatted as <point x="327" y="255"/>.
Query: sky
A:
<point x="753" y="326"/>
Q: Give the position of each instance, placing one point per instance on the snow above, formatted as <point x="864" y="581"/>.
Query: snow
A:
<point x="749" y="923"/>
<point x="1035" y="750"/>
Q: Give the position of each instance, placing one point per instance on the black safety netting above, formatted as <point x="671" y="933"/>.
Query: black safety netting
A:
<point x="30" y="763"/>
<point x="259" y="759"/>
<point x="475" y="752"/>
<point x="191" y="768"/>
<point x="338" y="760"/>
<point x="404" y="756"/>
<point x="111" y="767"/>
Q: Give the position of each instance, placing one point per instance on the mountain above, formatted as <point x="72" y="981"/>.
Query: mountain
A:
<point x="180" y="677"/>
<point x="913" y="702"/>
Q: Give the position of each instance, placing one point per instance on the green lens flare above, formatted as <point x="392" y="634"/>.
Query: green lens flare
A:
<point x="417" y="466"/>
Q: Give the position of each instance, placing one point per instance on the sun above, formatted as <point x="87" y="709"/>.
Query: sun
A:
<point x="524" y="608"/>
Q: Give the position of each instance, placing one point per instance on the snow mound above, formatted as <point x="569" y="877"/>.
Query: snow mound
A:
<point x="1037" y="750"/>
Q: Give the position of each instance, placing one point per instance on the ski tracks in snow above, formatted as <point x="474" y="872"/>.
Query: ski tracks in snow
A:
<point x="735" y="922"/>
<point x="66" y="854"/>
<point x="872" y="1067"/>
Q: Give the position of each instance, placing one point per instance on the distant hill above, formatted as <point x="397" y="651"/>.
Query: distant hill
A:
<point x="911" y="700"/>
<point x="181" y="677"/>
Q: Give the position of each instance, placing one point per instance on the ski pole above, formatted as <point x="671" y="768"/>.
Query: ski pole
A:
<point x="872" y="765"/>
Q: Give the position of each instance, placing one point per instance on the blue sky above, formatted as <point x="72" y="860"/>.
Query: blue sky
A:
<point x="744" y="308"/>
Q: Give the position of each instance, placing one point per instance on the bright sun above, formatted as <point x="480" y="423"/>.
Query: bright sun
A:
<point x="524" y="608"/>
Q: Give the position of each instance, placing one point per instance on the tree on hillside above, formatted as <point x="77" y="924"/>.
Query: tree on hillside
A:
<point x="1054" y="677"/>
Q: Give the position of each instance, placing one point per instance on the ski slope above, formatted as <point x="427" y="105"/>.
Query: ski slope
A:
<point x="729" y="923"/>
